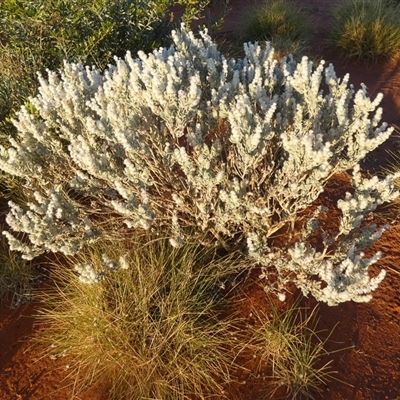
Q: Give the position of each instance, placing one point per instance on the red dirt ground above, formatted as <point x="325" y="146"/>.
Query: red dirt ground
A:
<point x="370" y="366"/>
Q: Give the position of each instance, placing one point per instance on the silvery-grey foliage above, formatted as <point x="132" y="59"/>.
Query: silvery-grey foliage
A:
<point x="186" y="141"/>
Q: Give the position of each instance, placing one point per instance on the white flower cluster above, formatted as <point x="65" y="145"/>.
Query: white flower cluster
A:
<point x="186" y="141"/>
<point x="52" y="223"/>
<point x="89" y="274"/>
<point x="368" y="194"/>
<point x="342" y="281"/>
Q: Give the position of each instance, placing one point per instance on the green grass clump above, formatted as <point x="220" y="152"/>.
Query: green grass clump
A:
<point x="288" y="344"/>
<point x="366" y="30"/>
<point x="280" y="22"/>
<point x="150" y="331"/>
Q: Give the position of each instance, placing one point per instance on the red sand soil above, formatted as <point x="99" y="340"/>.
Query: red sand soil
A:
<point x="369" y="332"/>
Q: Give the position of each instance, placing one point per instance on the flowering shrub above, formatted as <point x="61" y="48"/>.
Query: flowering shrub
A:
<point x="183" y="140"/>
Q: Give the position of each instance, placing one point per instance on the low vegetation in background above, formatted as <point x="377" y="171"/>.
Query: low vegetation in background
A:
<point x="150" y="328"/>
<point x="280" y="22"/>
<point x="367" y="30"/>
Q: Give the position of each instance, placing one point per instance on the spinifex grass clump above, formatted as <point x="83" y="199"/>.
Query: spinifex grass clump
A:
<point x="367" y="29"/>
<point x="150" y="330"/>
<point x="280" y="22"/>
<point x="183" y="140"/>
<point x="288" y="344"/>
